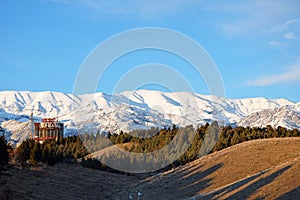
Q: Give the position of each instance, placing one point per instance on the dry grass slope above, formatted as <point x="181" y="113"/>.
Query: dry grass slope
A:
<point x="264" y="169"/>
<point x="261" y="169"/>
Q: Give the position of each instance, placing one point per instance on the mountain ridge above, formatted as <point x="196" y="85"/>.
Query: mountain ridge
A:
<point x="142" y="109"/>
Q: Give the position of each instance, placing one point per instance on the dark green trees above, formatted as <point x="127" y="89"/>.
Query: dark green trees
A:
<point x="51" y="151"/>
<point x="3" y="151"/>
<point x="23" y="151"/>
<point x="209" y="138"/>
<point x="35" y="154"/>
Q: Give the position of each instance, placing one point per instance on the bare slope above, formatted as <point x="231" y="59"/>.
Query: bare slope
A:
<point x="64" y="181"/>
<point x="257" y="169"/>
<point x="267" y="169"/>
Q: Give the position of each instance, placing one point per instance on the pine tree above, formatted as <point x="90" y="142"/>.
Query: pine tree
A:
<point x="3" y="151"/>
<point x="35" y="154"/>
<point x="235" y="138"/>
<point x="21" y="156"/>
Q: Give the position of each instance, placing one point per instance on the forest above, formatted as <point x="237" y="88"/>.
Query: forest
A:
<point x="193" y="142"/>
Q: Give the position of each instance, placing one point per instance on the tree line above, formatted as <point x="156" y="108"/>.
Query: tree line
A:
<point x="203" y="136"/>
<point x="50" y="151"/>
<point x="204" y="139"/>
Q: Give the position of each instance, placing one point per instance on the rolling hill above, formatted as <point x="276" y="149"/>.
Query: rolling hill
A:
<point x="258" y="169"/>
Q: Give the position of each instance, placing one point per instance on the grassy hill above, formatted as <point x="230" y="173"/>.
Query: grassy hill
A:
<point x="267" y="169"/>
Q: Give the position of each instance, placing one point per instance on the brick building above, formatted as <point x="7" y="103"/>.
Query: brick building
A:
<point x="48" y="129"/>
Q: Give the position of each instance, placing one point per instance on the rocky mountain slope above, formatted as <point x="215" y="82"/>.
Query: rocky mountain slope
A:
<point x="139" y="110"/>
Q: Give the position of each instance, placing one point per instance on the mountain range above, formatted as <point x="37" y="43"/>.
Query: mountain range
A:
<point x="139" y="109"/>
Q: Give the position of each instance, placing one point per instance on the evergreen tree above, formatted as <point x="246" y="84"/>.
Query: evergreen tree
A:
<point x="235" y="138"/>
<point x="21" y="156"/>
<point x="3" y="151"/>
<point x="35" y="154"/>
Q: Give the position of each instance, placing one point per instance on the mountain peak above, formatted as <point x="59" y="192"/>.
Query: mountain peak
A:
<point x="142" y="109"/>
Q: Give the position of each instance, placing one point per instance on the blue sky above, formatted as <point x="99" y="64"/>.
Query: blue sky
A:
<point x="255" y="44"/>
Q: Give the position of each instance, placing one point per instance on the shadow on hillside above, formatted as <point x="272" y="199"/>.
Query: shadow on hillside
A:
<point x="232" y="187"/>
<point x="183" y="184"/>
<point x="247" y="191"/>
<point x="293" y="194"/>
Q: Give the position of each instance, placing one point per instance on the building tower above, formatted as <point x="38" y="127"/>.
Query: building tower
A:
<point x="48" y="129"/>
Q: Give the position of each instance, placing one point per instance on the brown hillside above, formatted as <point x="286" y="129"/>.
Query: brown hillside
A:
<point x="109" y="150"/>
<point x="267" y="169"/>
<point x="63" y="181"/>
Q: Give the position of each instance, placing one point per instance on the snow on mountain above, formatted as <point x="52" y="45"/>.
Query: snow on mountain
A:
<point x="282" y="116"/>
<point x="138" y="110"/>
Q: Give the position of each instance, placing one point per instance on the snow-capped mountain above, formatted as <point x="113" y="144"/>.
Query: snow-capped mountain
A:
<point x="282" y="116"/>
<point x="138" y="110"/>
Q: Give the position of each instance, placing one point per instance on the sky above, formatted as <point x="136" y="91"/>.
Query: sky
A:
<point x="254" y="44"/>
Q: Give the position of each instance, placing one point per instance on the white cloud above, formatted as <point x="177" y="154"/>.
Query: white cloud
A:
<point x="234" y="18"/>
<point x="289" y="36"/>
<point x="291" y="75"/>
<point x="252" y="16"/>
<point x="138" y="8"/>
<point x="283" y="26"/>
<point x="283" y="32"/>
<point x="279" y="44"/>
